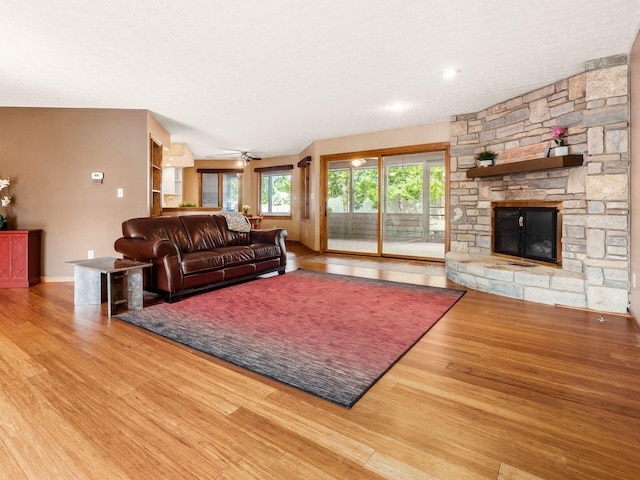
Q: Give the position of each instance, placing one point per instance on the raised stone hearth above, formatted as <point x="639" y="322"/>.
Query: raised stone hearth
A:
<point x="594" y="197"/>
<point x="517" y="279"/>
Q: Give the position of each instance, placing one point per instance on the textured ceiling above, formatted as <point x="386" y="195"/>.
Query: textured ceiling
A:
<point x="272" y="76"/>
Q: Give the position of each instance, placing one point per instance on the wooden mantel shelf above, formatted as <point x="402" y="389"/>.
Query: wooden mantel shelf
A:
<point x="546" y="163"/>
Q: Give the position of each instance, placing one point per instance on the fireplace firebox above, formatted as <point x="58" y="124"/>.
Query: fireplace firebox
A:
<point x="527" y="231"/>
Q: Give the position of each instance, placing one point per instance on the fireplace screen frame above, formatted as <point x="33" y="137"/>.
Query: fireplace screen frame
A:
<point x="558" y="241"/>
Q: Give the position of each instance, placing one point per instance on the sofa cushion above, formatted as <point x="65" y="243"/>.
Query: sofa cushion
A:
<point x="197" y="262"/>
<point x="232" y="238"/>
<point x="157" y="228"/>
<point x="204" y="232"/>
<point x="238" y="238"/>
<point x="236" y="255"/>
<point x="264" y="251"/>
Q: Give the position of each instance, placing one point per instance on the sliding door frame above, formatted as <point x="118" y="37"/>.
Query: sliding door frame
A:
<point x="379" y="153"/>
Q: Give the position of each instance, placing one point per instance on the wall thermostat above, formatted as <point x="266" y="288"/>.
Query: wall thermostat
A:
<point x="97" y="177"/>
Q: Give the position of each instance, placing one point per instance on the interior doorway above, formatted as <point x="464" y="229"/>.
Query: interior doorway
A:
<point x="386" y="203"/>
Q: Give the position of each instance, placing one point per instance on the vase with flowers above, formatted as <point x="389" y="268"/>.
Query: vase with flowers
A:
<point x="245" y="209"/>
<point x="5" y="201"/>
<point x="556" y="135"/>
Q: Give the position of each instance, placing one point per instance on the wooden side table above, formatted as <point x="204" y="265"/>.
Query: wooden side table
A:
<point x="255" y="221"/>
<point x="19" y="258"/>
<point x="116" y="280"/>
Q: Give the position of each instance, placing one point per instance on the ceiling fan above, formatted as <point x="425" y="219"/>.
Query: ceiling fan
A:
<point x="244" y="157"/>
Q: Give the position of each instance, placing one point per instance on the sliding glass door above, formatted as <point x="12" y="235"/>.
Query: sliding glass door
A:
<point x="390" y="205"/>
<point x="352" y="206"/>
<point x="413" y="205"/>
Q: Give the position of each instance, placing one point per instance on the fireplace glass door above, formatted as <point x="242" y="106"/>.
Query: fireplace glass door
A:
<point x="527" y="232"/>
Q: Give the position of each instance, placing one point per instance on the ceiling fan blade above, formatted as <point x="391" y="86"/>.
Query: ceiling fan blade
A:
<point x="241" y="154"/>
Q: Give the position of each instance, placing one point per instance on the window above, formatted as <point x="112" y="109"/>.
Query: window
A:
<point x="220" y="188"/>
<point x="209" y="197"/>
<point x="230" y="192"/>
<point x="275" y="190"/>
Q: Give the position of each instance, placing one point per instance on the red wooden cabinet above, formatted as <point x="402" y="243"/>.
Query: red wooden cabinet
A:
<point x="19" y="258"/>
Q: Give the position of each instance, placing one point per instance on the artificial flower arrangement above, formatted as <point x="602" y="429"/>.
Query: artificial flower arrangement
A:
<point x="556" y="135"/>
<point x="246" y="208"/>
<point x="5" y="200"/>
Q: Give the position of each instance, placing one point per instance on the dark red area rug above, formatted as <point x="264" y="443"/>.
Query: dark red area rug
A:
<point x="329" y="335"/>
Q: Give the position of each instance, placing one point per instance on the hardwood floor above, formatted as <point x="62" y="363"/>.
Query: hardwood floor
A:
<point x="498" y="389"/>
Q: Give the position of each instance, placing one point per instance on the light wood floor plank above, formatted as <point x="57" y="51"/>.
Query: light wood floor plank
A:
<point x="327" y="437"/>
<point x="390" y="467"/>
<point x="32" y="431"/>
<point x="304" y="448"/>
<point x="415" y="447"/>
<point x="289" y="463"/>
<point x="507" y="472"/>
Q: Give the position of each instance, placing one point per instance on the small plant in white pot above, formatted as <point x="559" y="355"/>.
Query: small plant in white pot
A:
<point x="486" y="158"/>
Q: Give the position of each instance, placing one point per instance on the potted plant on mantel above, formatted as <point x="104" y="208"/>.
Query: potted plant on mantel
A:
<point x="486" y="158"/>
<point x="561" y="149"/>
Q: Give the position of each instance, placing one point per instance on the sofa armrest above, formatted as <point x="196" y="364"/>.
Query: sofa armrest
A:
<point x="166" y="274"/>
<point x="146" y="249"/>
<point x="275" y="236"/>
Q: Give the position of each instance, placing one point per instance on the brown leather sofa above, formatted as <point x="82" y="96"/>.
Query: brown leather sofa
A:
<point x="195" y="252"/>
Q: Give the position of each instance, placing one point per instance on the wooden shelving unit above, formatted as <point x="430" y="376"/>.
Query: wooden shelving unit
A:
<point x="546" y="163"/>
<point x="156" y="178"/>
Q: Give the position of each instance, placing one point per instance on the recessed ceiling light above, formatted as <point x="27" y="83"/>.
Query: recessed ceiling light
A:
<point x="450" y="73"/>
<point x="398" y="106"/>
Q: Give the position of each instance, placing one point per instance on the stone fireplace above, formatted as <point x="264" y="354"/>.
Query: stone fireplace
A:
<point x="592" y="198"/>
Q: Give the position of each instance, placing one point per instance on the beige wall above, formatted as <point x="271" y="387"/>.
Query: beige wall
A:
<point x="309" y="230"/>
<point x="635" y="175"/>
<point x="49" y="153"/>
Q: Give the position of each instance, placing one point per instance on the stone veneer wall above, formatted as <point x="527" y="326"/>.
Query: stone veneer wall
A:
<point x="594" y="106"/>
